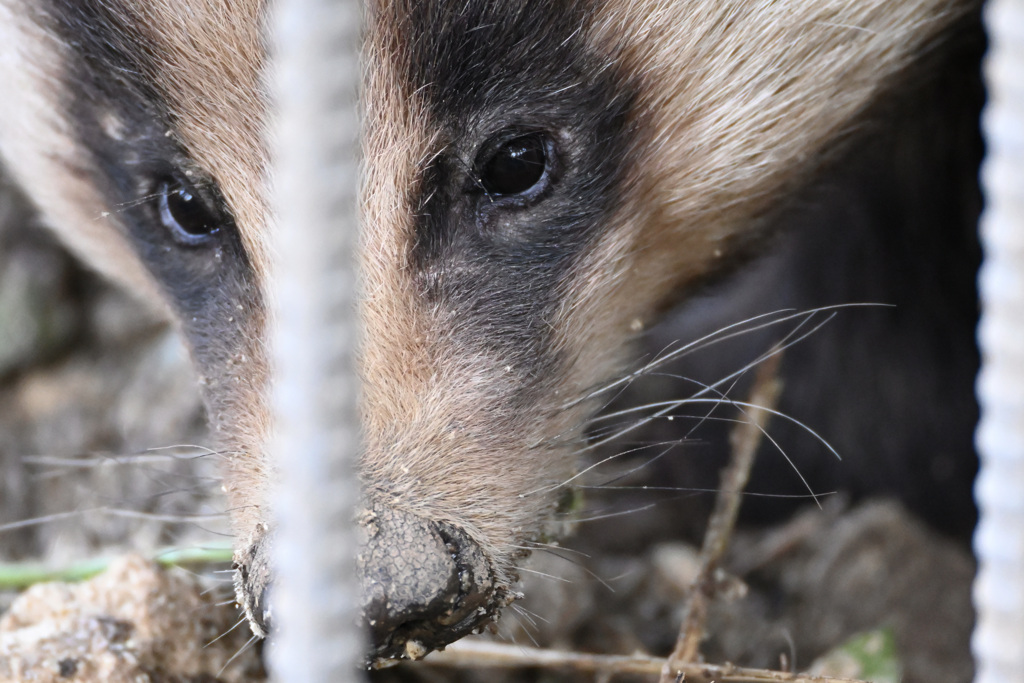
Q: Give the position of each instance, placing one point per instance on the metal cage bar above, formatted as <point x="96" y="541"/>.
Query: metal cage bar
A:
<point x="316" y="145"/>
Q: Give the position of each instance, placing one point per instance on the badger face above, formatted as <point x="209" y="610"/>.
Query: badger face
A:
<point x="540" y="180"/>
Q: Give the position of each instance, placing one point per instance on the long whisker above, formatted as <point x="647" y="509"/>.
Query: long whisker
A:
<point x="617" y="513"/>
<point x="46" y="519"/>
<point x="668" y="406"/>
<point x="734" y="330"/>
<point x="537" y="545"/>
<point x="696" y="490"/>
<point x="803" y="318"/>
<point x="544" y="574"/>
<point x="712" y="388"/>
<point x="718" y="335"/>
<point x="237" y="624"/>
<point x="526" y="625"/>
<point x="727" y="401"/>
<point x="740" y="405"/>
<point x="238" y="654"/>
<point x="576" y="562"/>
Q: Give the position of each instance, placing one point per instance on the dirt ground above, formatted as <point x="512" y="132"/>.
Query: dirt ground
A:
<point x="101" y="440"/>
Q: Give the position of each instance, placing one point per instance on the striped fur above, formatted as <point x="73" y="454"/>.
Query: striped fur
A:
<point x="677" y="127"/>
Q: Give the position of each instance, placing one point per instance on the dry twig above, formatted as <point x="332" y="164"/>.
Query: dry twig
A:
<point x="481" y="654"/>
<point x="744" y="441"/>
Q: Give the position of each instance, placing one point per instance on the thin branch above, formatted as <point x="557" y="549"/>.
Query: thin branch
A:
<point x="473" y="654"/>
<point x="744" y="440"/>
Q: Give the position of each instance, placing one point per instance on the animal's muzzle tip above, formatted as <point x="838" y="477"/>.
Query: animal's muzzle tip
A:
<point x="253" y="585"/>
<point x="261" y="614"/>
<point x="425" y="584"/>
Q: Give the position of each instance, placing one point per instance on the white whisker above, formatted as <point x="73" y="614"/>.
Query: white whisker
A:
<point x="238" y="654"/>
<point x="237" y="624"/>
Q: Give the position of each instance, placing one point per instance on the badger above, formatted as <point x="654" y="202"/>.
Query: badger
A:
<point x="541" y="182"/>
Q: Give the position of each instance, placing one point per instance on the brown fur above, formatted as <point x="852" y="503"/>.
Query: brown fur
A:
<point x="737" y="109"/>
<point x="729" y="122"/>
<point x="438" y="442"/>
<point x="219" y="106"/>
<point x="211" y="77"/>
<point x="738" y="102"/>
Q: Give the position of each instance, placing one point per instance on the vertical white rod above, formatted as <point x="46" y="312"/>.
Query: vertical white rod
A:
<point x="998" y="640"/>
<point x="316" y="142"/>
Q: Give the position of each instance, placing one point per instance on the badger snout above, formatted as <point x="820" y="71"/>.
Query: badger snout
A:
<point x="425" y="584"/>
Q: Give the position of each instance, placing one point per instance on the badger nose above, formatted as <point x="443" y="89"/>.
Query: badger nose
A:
<point x="425" y="583"/>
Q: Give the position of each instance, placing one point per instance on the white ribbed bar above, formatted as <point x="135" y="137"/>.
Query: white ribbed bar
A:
<point x="998" y="640"/>
<point x="316" y="143"/>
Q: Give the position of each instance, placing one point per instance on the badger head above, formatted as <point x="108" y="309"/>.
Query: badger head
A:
<point x="541" y="179"/>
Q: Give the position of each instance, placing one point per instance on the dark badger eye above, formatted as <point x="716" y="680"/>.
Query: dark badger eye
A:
<point x="186" y="214"/>
<point x="517" y="166"/>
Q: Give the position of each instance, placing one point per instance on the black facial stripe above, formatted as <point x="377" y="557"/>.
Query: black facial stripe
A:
<point x="485" y="68"/>
<point x="123" y="124"/>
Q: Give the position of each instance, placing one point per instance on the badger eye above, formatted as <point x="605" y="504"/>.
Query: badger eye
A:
<point x="517" y="166"/>
<point x="188" y="217"/>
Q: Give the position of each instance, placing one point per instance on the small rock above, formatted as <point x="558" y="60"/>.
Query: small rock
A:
<point x="133" y="622"/>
